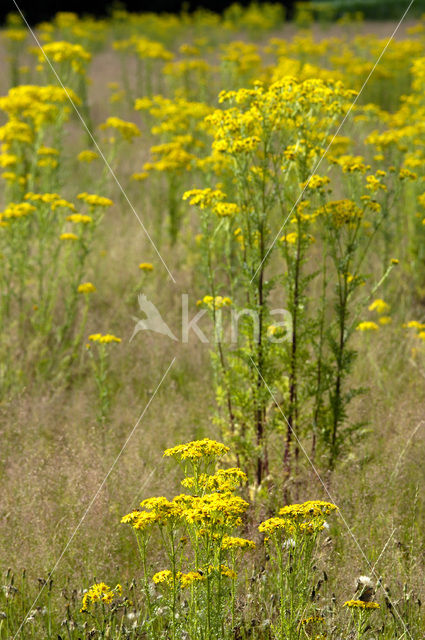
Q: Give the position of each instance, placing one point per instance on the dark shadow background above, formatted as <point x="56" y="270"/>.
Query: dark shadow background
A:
<point x="45" y="9"/>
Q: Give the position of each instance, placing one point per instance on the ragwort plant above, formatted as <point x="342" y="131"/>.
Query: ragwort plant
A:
<point x="266" y="144"/>
<point x="45" y="241"/>
<point x="197" y="592"/>
<point x="196" y="596"/>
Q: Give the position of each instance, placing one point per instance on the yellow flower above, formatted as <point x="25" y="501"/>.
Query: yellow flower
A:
<point x="222" y="480"/>
<point x="128" y="130"/>
<point x="68" y="236"/>
<point x="164" y="577"/>
<point x="380" y="306"/>
<point x="230" y="542"/>
<point x="367" y="326"/>
<point x="224" y="209"/>
<point x="341" y="212"/>
<point x="146" y="266"/>
<point x="20" y="210"/>
<point x="315" y="182"/>
<point x="187" y="579"/>
<point x="414" y="324"/>
<point x="95" y="201"/>
<point x="198" y="449"/>
<point x="216" y="302"/>
<point x="359" y="604"/>
<point x="64" y="52"/>
<point x="87" y="156"/>
<point x="103" y="339"/>
<point x="384" y="320"/>
<point x="99" y="592"/>
<point x="86" y="287"/>
<point x="204" y="198"/>
<point x="290" y="238"/>
<point x="78" y="218"/>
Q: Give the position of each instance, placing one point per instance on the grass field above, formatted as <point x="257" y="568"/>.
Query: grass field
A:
<point x="260" y="173"/>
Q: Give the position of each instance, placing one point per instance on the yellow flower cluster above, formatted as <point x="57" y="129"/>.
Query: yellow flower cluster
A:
<point x="215" y="509"/>
<point x="60" y="52"/>
<point x="367" y="325"/>
<point x="103" y="339"/>
<point x="86" y="287"/>
<point x="79" y="218"/>
<point x="146" y="266"/>
<point x="307" y="518"/>
<point x="128" y="130"/>
<point x="100" y="592"/>
<point x="215" y="302"/>
<point x="231" y="542"/>
<point x="380" y="306"/>
<point x="94" y="200"/>
<point x="143" y="48"/>
<point x="359" y="604"/>
<point x="342" y="212"/>
<point x="183" y="580"/>
<point x="53" y="199"/>
<point x="222" y="480"/>
<point x="15" y="211"/>
<point x="87" y="156"/>
<point x="197" y="449"/>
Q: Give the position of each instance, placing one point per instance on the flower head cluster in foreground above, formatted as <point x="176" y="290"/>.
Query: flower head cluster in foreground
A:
<point x="100" y="592"/>
<point x="299" y="519"/>
<point x="359" y="604"/>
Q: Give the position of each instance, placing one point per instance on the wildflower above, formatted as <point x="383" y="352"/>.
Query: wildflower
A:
<point x="414" y="324"/>
<point x="341" y="212"/>
<point x="204" y="198"/>
<point x="78" y="218"/>
<point x="216" y="302"/>
<point x="103" y="339"/>
<point x="373" y="184"/>
<point x="198" y="449"/>
<point x="290" y="238"/>
<point x="224" y="209"/>
<point x="19" y="210"/>
<point x="379" y="305"/>
<point x="140" y="520"/>
<point x="187" y="579"/>
<point x="163" y="577"/>
<point x="311" y="508"/>
<point x="394" y="261"/>
<point x="230" y="542"/>
<point x="367" y="326"/>
<point x="146" y="266"/>
<point x="87" y="156"/>
<point x="140" y="176"/>
<point x="275" y="331"/>
<point x="311" y="619"/>
<point x="315" y="182"/>
<point x="222" y="480"/>
<point x="61" y="52"/>
<point x="359" y="604"/>
<point x="95" y="201"/>
<point x="86" y="287"/>
<point x="215" y="509"/>
<point x="128" y="130"/>
<point x="99" y="592"/>
<point x="68" y="236"/>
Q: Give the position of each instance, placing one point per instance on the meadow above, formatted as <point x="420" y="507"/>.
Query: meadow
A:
<point x="212" y="326"/>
